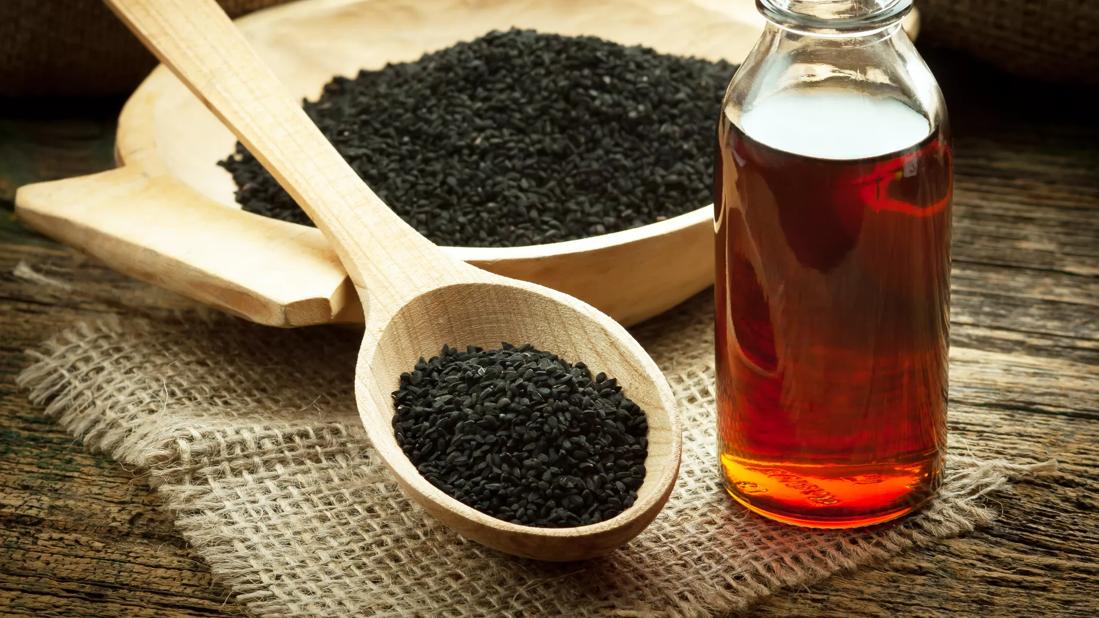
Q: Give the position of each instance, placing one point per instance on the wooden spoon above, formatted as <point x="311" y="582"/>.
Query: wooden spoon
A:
<point x="415" y="297"/>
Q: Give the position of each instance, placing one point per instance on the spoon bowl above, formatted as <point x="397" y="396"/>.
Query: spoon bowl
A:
<point x="507" y="311"/>
<point x="415" y="297"/>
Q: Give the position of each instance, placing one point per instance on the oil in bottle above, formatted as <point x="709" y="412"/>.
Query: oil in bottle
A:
<point x="832" y="213"/>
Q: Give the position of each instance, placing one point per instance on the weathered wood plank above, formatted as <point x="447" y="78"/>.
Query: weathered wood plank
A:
<point x="77" y="520"/>
<point x="1037" y="559"/>
<point x="79" y="534"/>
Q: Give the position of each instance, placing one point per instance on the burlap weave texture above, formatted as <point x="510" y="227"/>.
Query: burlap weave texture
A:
<point x="251" y="435"/>
<point x="1052" y="40"/>
<point x="76" y="48"/>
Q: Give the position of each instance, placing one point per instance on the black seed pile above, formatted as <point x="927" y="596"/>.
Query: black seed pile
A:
<point x="519" y="138"/>
<point x="522" y="435"/>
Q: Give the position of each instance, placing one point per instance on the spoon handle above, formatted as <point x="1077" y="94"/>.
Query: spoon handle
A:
<point x="199" y="43"/>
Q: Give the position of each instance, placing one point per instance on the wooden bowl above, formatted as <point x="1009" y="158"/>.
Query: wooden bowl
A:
<point x="168" y="215"/>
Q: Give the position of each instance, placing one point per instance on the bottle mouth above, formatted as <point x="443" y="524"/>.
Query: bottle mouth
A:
<point x="834" y="15"/>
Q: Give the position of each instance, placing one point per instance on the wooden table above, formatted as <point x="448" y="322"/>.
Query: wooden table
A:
<point x="80" y="535"/>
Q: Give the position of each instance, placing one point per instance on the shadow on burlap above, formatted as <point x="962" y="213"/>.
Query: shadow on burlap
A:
<point x="252" y="437"/>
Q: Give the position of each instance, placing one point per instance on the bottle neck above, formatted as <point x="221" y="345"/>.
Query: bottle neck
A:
<point x="845" y="17"/>
<point x="874" y="57"/>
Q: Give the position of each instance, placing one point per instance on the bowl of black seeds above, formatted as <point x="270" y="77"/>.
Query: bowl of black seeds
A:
<point x="543" y="144"/>
<point x="521" y="147"/>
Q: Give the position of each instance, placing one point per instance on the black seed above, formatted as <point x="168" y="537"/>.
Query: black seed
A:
<point x="519" y="138"/>
<point x="572" y="455"/>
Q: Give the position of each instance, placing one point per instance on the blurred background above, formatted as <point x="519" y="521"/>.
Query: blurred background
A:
<point x="67" y="66"/>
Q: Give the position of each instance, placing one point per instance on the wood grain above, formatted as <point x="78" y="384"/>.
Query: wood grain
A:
<point x="81" y="536"/>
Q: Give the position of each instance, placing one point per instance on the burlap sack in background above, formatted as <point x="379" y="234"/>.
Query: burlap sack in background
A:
<point x="252" y="437"/>
<point x="76" y="47"/>
<point x="1055" y="40"/>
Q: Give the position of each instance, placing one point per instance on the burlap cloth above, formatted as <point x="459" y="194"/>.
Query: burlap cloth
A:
<point x="251" y="436"/>
<point x="1052" y="40"/>
<point x="76" y="47"/>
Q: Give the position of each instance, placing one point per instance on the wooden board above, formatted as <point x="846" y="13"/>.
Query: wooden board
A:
<point x="283" y="274"/>
<point x="168" y="216"/>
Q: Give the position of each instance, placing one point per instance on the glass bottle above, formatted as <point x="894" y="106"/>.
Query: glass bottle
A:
<point x="833" y="184"/>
